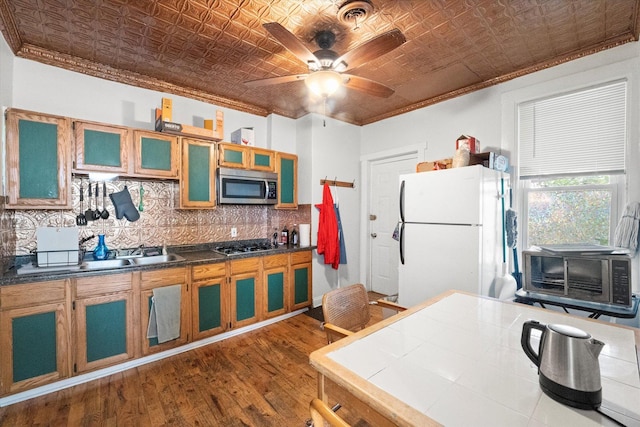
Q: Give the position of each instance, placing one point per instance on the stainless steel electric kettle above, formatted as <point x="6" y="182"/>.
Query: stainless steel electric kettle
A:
<point x="568" y="366"/>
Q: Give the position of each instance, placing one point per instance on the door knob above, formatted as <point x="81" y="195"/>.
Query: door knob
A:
<point x="374" y="235"/>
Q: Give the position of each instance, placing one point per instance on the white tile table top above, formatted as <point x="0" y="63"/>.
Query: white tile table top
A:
<point x="460" y="362"/>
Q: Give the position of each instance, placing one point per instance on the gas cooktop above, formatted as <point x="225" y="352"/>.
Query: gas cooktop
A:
<point x="241" y="248"/>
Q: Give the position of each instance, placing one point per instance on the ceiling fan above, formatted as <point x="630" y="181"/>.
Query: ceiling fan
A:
<point x="326" y="67"/>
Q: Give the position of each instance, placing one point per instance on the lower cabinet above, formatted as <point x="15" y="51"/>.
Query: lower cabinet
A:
<point x="154" y="280"/>
<point x="104" y="322"/>
<point x="54" y="329"/>
<point x="275" y="285"/>
<point x="246" y="291"/>
<point x="34" y="335"/>
<point x="300" y="281"/>
<point x="209" y="300"/>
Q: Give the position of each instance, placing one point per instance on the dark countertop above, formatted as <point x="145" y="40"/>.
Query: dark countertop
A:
<point x="193" y="255"/>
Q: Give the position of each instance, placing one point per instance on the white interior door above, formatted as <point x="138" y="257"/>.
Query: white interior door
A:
<point x="383" y="217"/>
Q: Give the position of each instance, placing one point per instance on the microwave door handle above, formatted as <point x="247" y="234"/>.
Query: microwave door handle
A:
<point x="266" y="189"/>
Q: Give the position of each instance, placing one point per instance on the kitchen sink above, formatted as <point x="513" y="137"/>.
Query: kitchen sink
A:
<point x="106" y="264"/>
<point x="155" y="259"/>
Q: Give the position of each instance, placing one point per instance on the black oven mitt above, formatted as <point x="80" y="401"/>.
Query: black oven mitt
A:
<point x="124" y="205"/>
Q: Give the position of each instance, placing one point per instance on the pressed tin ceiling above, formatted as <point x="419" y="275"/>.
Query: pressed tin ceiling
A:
<point x="207" y="49"/>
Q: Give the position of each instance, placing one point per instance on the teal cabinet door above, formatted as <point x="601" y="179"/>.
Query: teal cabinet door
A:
<point x="156" y="155"/>
<point x="261" y="159"/>
<point x="34" y="347"/>
<point x="245" y="296"/>
<point x="287" y="169"/>
<point x="198" y="173"/>
<point x="210" y="316"/>
<point x="101" y="148"/>
<point x="301" y="274"/>
<point x="104" y="333"/>
<point x="233" y="156"/>
<point x="274" y="292"/>
<point x="38" y="160"/>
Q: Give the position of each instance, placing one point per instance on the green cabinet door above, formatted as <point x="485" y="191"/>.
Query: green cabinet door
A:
<point x="156" y="155"/>
<point x="101" y="148"/>
<point x="287" y="169"/>
<point x="105" y="331"/>
<point x="274" y="292"/>
<point x="38" y="152"/>
<point x="197" y="182"/>
<point x="34" y="346"/>
<point x="209" y="308"/>
<point x="301" y="285"/>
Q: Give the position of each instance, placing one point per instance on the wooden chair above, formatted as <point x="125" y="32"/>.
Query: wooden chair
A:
<point x="346" y="310"/>
<point x="322" y="415"/>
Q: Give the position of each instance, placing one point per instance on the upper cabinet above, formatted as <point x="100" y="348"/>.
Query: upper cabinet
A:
<point x="198" y="174"/>
<point x="287" y="170"/>
<point x="262" y="160"/>
<point x="38" y="155"/>
<point x="101" y="148"/>
<point x="156" y="155"/>
<point x="246" y="157"/>
<point x="233" y="155"/>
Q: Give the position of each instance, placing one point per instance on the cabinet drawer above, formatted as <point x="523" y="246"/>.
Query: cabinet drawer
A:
<point x="169" y="276"/>
<point x="102" y="285"/>
<point x="207" y="271"/>
<point x="32" y="294"/>
<point x="272" y="261"/>
<point x="244" y="265"/>
<point x="300" y="257"/>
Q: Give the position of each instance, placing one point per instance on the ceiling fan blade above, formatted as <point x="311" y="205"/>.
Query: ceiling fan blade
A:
<point x="367" y="86"/>
<point x="276" y="80"/>
<point x="291" y="42"/>
<point x="371" y="49"/>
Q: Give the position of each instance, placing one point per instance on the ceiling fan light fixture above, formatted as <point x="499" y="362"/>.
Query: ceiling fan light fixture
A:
<point x="324" y="83"/>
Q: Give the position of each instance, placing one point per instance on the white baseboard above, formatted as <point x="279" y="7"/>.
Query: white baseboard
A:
<point x="90" y="376"/>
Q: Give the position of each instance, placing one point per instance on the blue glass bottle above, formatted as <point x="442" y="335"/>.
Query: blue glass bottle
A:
<point x="101" y="251"/>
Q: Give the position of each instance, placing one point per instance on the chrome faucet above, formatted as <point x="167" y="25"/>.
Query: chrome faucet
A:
<point x="138" y="250"/>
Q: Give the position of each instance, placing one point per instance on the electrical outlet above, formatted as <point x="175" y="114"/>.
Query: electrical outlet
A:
<point x="234" y="232"/>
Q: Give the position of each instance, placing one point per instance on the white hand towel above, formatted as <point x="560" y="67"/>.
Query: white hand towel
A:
<point x="164" y="317"/>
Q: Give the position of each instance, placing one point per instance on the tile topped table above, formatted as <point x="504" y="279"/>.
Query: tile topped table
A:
<point x="457" y="360"/>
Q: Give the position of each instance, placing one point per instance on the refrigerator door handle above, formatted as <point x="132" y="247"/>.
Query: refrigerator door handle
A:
<point x="401" y="243"/>
<point x="402" y="201"/>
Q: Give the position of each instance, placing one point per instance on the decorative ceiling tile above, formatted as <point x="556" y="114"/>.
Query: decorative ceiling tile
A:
<point x="208" y="49"/>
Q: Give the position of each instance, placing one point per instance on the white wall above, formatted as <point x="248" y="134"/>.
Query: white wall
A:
<point x="335" y="148"/>
<point x="47" y="89"/>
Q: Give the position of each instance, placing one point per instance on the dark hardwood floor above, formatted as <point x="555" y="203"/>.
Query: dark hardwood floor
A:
<point x="260" y="378"/>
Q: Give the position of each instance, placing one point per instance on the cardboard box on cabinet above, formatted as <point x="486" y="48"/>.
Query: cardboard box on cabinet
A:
<point x="244" y="136"/>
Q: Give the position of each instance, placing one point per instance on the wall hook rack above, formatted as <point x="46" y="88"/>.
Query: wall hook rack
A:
<point x="336" y="183"/>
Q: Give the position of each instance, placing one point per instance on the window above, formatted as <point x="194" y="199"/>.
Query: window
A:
<point x="572" y="164"/>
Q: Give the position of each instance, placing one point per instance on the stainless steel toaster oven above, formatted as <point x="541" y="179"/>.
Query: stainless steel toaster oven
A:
<point x="602" y="278"/>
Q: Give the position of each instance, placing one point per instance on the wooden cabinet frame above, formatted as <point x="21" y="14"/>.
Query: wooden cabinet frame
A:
<point x="159" y="278"/>
<point x="63" y="154"/>
<point x="79" y="128"/>
<point x="140" y="169"/>
<point x="203" y="276"/>
<point x="275" y="264"/>
<point x="287" y="170"/>
<point x="185" y="178"/>
<point x="96" y="290"/>
<point x="27" y="300"/>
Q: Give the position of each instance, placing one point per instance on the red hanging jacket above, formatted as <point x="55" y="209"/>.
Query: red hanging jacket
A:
<point x="328" y="243"/>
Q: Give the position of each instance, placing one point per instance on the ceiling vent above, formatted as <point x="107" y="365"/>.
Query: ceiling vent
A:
<point x="355" y="12"/>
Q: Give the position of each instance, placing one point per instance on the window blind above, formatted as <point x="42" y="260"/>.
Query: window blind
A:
<point x="578" y="132"/>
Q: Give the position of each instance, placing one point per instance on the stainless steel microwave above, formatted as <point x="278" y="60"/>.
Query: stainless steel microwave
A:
<point x="245" y="187"/>
<point x="601" y="278"/>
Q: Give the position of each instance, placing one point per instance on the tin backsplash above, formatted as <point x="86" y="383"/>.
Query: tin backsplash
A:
<point x="161" y="220"/>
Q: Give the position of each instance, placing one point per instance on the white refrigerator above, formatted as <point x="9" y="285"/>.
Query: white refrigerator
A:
<point x="450" y="232"/>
